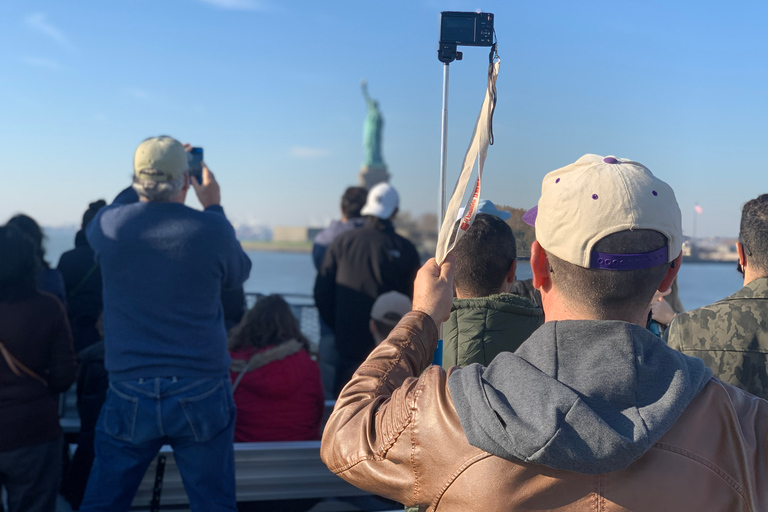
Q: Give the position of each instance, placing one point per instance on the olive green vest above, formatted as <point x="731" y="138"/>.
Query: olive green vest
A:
<point x="478" y="329"/>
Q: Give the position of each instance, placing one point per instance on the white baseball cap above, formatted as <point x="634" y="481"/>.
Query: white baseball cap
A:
<point x="596" y="196"/>
<point x="382" y="201"/>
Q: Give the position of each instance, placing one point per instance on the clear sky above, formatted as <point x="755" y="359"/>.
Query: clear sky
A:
<point x="271" y="90"/>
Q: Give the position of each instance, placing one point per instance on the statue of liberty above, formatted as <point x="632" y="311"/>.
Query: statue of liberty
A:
<point x="372" y="131"/>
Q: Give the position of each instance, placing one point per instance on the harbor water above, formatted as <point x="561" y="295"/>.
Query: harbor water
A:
<point x="293" y="273"/>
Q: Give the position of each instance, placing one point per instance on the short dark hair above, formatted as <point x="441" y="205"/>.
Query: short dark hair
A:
<point x="19" y="264"/>
<point x="612" y="294"/>
<point x="269" y="322"/>
<point x="353" y="201"/>
<point x="754" y="231"/>
<point x="483" y="256"/>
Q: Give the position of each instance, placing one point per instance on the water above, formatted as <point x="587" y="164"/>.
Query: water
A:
<point x="293" y="273"/>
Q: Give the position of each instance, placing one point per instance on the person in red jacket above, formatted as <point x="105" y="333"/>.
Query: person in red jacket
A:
<point x="276" y="385"/>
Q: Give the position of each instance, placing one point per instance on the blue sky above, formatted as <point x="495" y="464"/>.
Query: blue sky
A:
<point x="271" y="90"/>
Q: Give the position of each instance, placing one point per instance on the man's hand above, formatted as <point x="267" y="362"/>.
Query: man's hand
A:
<point x="208" y="193"/>
<point x="661" y="310"/>
<point x="433" y="289"/>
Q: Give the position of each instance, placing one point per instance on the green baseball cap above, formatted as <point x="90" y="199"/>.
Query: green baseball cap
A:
<point x="160" y="158"/>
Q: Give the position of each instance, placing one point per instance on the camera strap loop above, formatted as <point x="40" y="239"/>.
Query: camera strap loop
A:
<point x="452" y="230"/>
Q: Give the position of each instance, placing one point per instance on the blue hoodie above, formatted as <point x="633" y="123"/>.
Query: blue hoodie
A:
<point x="163" y="266"/>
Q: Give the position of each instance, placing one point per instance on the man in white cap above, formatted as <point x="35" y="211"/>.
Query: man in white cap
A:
<point x="592" y="413"/>
<point x="359" y="266"/>
<point x="164" y="266"/>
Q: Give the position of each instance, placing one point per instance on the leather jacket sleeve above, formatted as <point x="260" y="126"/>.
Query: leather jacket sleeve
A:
<point x="371" y="437"/>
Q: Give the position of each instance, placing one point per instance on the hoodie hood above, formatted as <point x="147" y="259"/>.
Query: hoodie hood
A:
<point x="584" y="396"/>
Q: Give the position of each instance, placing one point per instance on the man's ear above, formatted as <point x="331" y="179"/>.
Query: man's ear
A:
<point x="539" y="266"/>
<point x="742" y="254"/>
<point x="511" y="273"/>
<point x="672" y="271"/>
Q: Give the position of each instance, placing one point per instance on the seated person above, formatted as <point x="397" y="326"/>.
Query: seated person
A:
<point x="388" y="309"/>
<point x="485" y="318"/>
<point x="276" y="385"/>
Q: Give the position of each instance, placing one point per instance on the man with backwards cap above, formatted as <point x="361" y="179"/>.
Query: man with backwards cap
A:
<point x="164" y="266"/>
<point x="592" y="413"/>
<point x="358" y="266"/>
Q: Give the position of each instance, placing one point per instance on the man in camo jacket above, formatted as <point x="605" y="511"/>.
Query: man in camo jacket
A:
<point x="731" y="335"/>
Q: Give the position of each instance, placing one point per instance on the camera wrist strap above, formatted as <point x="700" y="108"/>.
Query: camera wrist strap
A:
<point x="452" y="230"/>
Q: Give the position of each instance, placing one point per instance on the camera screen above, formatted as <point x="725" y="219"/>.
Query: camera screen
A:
<point x="457" y="29"/>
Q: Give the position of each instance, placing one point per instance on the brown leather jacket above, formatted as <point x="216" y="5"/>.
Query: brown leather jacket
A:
<point x="395" y="432"/>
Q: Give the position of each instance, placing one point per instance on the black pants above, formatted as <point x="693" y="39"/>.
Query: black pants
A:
<point x="31" y="476"/>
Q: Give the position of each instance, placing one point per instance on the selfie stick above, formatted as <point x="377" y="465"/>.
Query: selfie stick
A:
<point x="446" y="53"/>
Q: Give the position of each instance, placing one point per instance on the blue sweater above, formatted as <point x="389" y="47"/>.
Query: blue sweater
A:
<point x="163" y="267"/>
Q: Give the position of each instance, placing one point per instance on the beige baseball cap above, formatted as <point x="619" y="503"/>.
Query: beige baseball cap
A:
<point x="390" y="307"/>
<point x="596" y="196"/>
<point x="160" y="158"/>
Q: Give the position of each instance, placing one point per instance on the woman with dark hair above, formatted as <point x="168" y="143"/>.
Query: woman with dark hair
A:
<point x="276" y="385"/>
<point x="37" y="361"/>
<point x="49" y="279"/>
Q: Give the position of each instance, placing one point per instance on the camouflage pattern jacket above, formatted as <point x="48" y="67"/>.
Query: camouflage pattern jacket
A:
<point x="731" y="336"/>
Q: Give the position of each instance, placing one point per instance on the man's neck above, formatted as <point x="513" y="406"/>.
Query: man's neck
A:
<point x="752" y="275"/>
<point x="555" y="308"/>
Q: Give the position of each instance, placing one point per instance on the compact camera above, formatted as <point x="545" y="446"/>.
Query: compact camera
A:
<point x="466" y="28"/>
<point x="463" y="29"/>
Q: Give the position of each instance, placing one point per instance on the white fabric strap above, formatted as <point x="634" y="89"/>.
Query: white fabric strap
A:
<point x="451" y="230"/>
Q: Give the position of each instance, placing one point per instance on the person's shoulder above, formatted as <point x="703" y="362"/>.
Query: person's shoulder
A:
<point x="713" y="318"/>
<point x="721" y="412"/>
<point x="48" y="304"/>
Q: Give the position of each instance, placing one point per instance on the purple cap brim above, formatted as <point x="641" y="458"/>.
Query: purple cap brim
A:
<point x="529" y="217"/>
<point x="607" y="261"/>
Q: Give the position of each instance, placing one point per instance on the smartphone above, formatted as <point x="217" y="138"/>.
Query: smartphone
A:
<point x="195" y="157"/>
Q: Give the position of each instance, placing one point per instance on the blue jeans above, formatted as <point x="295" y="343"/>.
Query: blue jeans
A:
<point x="195" y="416"/>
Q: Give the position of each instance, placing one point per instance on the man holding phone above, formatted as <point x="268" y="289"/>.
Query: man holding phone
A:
<point x="164" y="266"/>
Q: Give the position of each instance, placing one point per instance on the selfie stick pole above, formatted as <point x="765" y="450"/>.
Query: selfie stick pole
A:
<point x="446" y="53"/>
<point x="443" y="151"/>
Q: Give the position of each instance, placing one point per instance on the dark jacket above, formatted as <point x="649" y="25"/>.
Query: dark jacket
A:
<point x="360" y="265"/>
<point x="92" y="384"/>
<point x="36" y="332"/>
<point x="730" y="336"/>
<point x="82" y="280"/>
<point x="480" y="328"/>
<point x="558" y="425"/>
<point x="325" y="237"/>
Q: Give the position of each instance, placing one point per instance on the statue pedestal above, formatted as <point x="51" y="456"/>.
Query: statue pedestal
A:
<point x="371" y="175"/>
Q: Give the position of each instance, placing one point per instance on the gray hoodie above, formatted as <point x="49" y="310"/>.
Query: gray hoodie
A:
<point x="584" y="396"/>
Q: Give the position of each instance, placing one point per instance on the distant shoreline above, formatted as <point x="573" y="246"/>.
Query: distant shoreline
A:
<point x="259" y="245"/>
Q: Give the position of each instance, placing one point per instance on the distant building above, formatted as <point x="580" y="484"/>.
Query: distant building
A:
<point x="294" y="233"/>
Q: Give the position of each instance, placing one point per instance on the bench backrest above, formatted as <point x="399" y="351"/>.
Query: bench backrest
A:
<point x="264" y="471"/>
